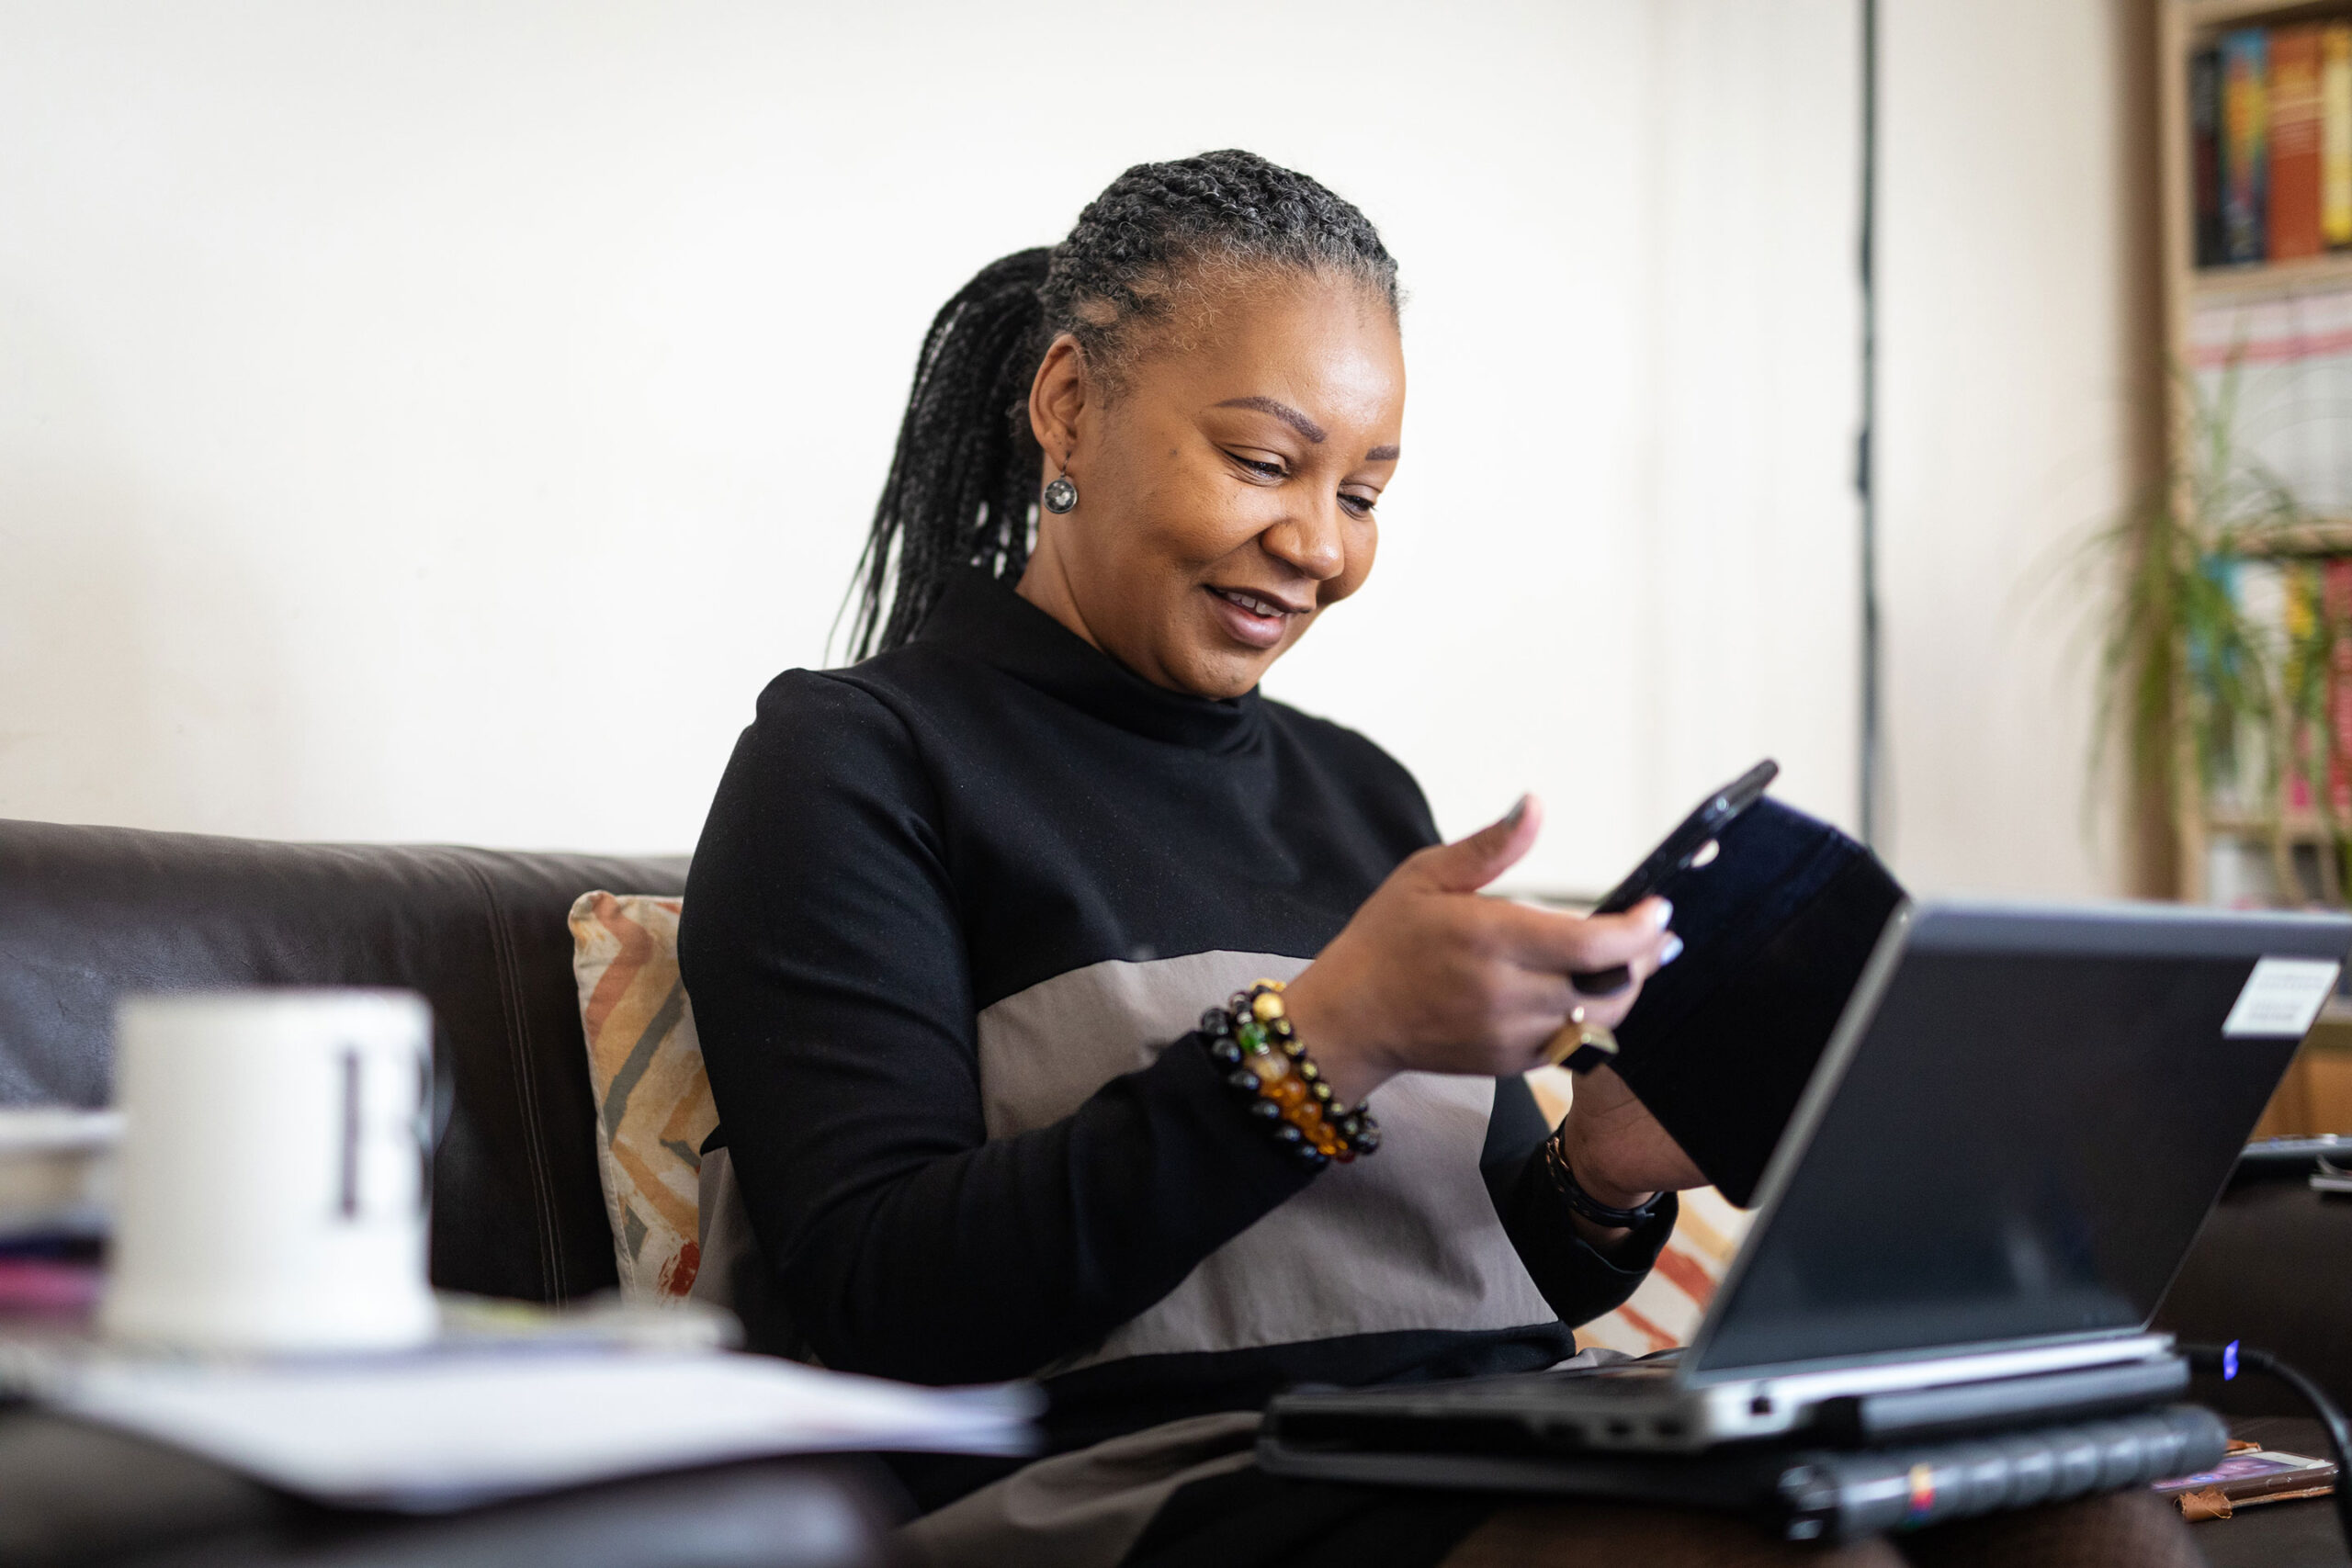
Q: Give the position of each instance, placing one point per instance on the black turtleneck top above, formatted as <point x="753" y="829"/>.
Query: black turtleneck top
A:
<point x="950" y="924"/>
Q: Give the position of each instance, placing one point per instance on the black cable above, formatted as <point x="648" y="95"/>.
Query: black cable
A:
<point x="2233" y="1358"/>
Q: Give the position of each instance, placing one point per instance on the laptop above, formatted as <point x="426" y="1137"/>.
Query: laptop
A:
<point x="1999" y="1162"/>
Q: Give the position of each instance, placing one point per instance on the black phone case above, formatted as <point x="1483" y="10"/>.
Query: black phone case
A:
<point x="1775" y="930"/>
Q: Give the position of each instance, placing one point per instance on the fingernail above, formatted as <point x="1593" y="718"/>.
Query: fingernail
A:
<point x="1664" y="913"/>
<point x="1670" y="952"/>
<point x="1518" y="809"/>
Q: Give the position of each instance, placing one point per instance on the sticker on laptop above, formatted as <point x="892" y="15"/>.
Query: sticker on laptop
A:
<point x="2282" y="998"/>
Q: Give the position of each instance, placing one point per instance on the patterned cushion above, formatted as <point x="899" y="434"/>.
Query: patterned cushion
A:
<point x="1667" y="1308"/>
<point x="653" y="1105"/>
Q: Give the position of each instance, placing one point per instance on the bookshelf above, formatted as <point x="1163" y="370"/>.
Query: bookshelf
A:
<point x="2194" y="294"/>
<point x="2319" y="538"/>
<point x="2210" y="16"/>
<point x="2270" y="278"/>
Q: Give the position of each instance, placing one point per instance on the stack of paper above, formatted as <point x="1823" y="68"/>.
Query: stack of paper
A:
<point x="443" y="1431"/>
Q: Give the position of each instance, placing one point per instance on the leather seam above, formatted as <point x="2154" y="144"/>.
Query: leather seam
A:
<point x="551" y="1271"/>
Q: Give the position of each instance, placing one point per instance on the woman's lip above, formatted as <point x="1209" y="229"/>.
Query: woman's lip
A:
<point x="1248" y="626"/>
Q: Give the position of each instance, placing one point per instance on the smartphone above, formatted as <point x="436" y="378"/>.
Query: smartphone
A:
<point x="1676" y="852"/>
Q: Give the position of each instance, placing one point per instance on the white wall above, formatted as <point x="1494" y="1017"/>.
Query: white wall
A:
<point x="437" y="421"/>
<point x="2014" y="346"/>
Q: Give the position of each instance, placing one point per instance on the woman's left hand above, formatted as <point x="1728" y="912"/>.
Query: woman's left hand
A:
<point x="1620" y="1154"/>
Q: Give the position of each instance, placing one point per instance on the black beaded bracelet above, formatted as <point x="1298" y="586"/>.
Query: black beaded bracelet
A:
<point x="1267" y="1064"/>
<point x="1584" y="1203"/>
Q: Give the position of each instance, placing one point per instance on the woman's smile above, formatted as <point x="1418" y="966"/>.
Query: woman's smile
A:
<point x="1257" y="620"/>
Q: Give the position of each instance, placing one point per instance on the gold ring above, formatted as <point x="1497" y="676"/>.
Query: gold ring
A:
<point x="1576" y="1036"/>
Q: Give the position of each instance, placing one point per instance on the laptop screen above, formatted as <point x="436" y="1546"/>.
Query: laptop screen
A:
<point x="2022" y="1144"/>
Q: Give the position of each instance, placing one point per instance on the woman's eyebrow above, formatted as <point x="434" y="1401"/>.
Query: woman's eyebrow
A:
<point x="1381" y="455"/>
<point x="1281" y="411"/>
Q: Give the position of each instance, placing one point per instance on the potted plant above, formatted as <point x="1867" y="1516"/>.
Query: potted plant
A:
<point x="2219" y="641"/>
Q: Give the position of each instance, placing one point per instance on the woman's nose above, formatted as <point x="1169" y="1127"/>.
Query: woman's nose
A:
<point x="1311" y="541"/>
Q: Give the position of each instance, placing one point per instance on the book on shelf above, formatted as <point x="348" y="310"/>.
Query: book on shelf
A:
<point x="2293" y="216"/>
<point x="2335" y="601"/>
<point x="2335" y="134"/>
<point x="2290" y="646"/>
<point x="2270" y="143"/>
<point x="2245" y="137"/>
<point x="2291" y="650"/>
<point x="2205" y="154"/>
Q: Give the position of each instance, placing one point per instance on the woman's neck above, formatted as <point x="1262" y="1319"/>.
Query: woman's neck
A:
<point x="1045" y="583"/>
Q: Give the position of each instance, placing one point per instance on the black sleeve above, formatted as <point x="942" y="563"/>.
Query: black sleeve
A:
<point x="1579" y="1280"/>
<point x="826" y="961"/>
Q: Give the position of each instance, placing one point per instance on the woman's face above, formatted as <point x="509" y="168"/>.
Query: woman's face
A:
<point x="1225" y="489"/>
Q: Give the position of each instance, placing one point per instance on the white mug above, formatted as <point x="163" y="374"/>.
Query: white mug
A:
<point x="272" y="1186"/>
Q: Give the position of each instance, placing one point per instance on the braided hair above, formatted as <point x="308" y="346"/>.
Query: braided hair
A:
<point x="963" y="483"/>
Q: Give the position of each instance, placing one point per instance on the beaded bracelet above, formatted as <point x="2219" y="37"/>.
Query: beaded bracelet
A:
<point x="1268" y="1065"/>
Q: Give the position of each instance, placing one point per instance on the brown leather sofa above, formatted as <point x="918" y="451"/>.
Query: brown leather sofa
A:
<point x="88" y="914"/>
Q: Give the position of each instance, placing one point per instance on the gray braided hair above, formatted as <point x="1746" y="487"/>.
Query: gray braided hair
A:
<point x="962" y="488"/>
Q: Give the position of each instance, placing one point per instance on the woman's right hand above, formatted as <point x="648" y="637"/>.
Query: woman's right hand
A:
<point x="1431" y="977"/>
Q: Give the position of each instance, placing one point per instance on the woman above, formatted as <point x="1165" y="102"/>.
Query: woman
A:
<point x="975" y="931"/>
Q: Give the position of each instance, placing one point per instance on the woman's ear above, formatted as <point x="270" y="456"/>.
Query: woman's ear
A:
<point x="1057" y="399"/>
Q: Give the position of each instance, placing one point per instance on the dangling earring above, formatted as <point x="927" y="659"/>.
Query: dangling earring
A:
<point x="1061" y="495"/>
